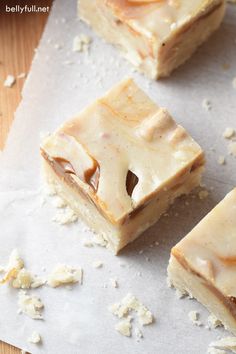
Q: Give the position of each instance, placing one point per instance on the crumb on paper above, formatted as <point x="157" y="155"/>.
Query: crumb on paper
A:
<point x="213" y="321"/>
<point x="87" y="243"/>
<point x="221" y="160"/>
<point x="232" y="149"/>
<point x="58" y="202"/>
<point x="227" y="343"/>
<point x="15" y="264"/>
<point x="194" y="318"/>
<point x="129" y="303"/>
<point x="81" y="43"/>
<point x="35" y="338"/>
<point x="114" y="283"/>
<point x="124" y="327"/>
<point x="65" y="216"/>
<point x="228" y="133"/>
<point x="203" y="194"/>
<point x="10" y="80"/>
<point x="63" y="275"/>
<point x="30" y="305"/>
<point x="97" y="264"/>
<point x="25" y="280"/>
<point x="206" y="104"/>
<point x="99" y="240"/>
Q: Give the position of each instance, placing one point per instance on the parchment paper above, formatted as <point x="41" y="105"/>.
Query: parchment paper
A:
<point x="77" y="321"/>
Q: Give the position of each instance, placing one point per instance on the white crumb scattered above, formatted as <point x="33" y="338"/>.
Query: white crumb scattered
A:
<point x="15" y="264"/>
<point x="25" y="280"/>
<point x="228" y="133"/>
<point x="234" y="82"/>
<point x="227" y="343"/>
<point x="10" y="80"/>
<point x="138" y="333"/>
<point x="213" y="321"/>
<point x="65" y="216"/>
<point x="31" y="305"/>
<point x="221" y="160"/>
<point x="194" y="318"/>
<point x="99" y="240"/>
<point x="68" y="62"/>
<point x="64" y="275"/>
<point x="58" y="202"/>
<point x="35" y="338"/>
<point x="124" y="327"/>
<point x="21" y="76"/>
<point x="212" y="350"/>
<point x="81" y="43"/>
<point x="203" y="194"/>
<point x="206" y="104"/>
<point x="129" y="303"/>
<point x="168" y="282"/>
<point x="114" y="283"/>
<point x="97" y="264"/>
<point x="232" y="149"/>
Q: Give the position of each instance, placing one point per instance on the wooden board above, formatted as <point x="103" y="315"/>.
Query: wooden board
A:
<point x="19" y="36"/>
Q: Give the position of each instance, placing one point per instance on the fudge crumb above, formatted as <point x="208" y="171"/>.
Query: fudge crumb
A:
<point x="99" y="240"/>
<point x="180" y="294"/>
<point x="227" y="343"/>
<point x="203" y="194"/>
<point x="65" y="216"/>
<point x="213" y="321"/>
<point x="228" y="133"/>
<point x="10" y="80"/>
<point x="194" y="318"/>
<point x="21" y="76"/>
<point x="206" y="104"/>
<point x="25" y="280"/>
<point x="15" y="264"/>
<point x="129" y="303"/>
<point x="81" y="43"/>
<point x="232" y="149"/>
<point x="63" y="275"/>
<point x="114" y="283"/>
<point x="35" y="338"/>
<point x="221" y="160"/>
<point x="31" y="305"/>
<point x="124" y="327"/>
<point x="97" y="264"/>
<point x="58" y="202"/>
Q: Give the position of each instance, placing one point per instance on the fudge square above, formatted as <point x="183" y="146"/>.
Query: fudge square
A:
<point x="155" y="36"/>
<point x="121" y="162"/>
<point x="203" y="264"/>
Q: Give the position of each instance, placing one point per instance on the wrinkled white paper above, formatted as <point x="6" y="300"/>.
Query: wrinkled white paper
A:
<point x="77" y="321"/>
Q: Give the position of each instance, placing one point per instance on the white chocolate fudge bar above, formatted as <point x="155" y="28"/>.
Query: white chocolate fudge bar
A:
<point x="121" y="162"/>
<point x="155" y="36"/>
<point x="203" y="264"/>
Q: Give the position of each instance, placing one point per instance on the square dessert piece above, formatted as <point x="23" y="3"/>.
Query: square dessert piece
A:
<point x="121" y="162"/>
<point x="203" y="264"/>
<point x="154" y="35"/>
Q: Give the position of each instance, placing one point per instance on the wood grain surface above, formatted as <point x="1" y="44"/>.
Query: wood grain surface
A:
<point x="19" y="36"/>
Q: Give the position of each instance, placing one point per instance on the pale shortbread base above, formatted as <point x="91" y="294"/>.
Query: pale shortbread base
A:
<point x="119" y="235"/>
<point x="187" y="282"/>
<point x="136" y="48"/>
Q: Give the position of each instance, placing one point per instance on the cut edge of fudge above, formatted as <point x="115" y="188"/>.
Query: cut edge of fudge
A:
<point x="146" y="198"/>
<point x="153" y="53"/>
<point x="201" y="282"/>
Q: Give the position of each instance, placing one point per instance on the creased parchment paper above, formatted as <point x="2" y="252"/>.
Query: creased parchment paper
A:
<point x="77" y="321"/>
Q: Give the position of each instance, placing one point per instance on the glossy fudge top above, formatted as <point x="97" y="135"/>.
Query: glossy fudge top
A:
<point x="159" y="18"/>
<point x="210" y="248"/>
<point x="123" y="149"/>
